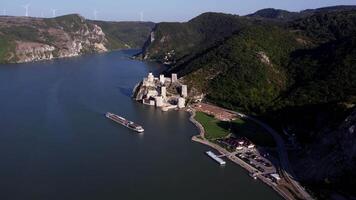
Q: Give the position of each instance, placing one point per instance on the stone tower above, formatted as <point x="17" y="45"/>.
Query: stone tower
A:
<point x="162" y="79"/>
<point x="150" y="78"/>
<point x="174" y="78"/>
<point x="184" y="91"/>
<point x="164" y="92"/>
<point x="181" y="102"/>
<point x="159" y="101"/>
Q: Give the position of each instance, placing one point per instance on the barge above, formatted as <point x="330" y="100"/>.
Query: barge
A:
<point x="129" y="124"/>
<point x="216" y="158"/>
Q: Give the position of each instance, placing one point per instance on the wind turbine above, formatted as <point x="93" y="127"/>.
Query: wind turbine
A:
<point x="4" y="12"/>
<point x="27" y="6"/>
<point x="95" y="14"/>
<point x="53" y="12"/>
<point x="141" y="16"/>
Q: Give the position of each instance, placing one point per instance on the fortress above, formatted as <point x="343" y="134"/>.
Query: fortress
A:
<point x="162" y="92"/>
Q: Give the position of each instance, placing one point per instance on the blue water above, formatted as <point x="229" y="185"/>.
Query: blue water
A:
<point x="55" y="142"/>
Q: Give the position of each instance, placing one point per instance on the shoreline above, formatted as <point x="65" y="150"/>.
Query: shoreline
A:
<point x="201" y="139"/>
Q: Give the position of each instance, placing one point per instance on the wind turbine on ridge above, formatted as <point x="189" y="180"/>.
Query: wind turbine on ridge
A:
<point x="96" y="14"/>
<point x="53" y="12"/>
<point x="141" y="16"/>
<point x="27" y="6"/>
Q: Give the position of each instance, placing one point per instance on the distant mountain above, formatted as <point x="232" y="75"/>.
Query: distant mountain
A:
<point x="284" y="15"/>
<point x="330" y="9"/>
<point x="295" y="70"/>
<point x="26" y="39"/>
<point x="271" y="13"/>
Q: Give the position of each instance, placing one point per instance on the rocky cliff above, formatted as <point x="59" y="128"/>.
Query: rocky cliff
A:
<point x="34" y="39"/>
<point x="330" y="161"/>
<point x="26" y="39"/>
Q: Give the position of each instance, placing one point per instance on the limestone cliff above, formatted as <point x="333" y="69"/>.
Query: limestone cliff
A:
<point x="330" y="161"/>
<point x="27" y="39"/>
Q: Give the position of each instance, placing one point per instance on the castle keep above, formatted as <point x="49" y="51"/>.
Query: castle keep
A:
<point x="163" y="92"/>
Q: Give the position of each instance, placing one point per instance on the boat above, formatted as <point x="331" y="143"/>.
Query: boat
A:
<point x="129" y="124"/>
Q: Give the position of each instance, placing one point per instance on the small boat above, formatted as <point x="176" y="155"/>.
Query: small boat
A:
<point x="129" y="124"/>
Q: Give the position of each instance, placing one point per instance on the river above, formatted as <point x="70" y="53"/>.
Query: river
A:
<point x="55" y="142"/>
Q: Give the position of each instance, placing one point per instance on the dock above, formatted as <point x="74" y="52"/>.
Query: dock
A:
<point x="216" y="158"/>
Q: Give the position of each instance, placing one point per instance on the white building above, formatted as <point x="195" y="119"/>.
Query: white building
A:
<point x="162" y="79"/>
<point x="151" y="93"/>
<point x="159" y="101"/>
<point x="164" y="92"/>
<point x="276" y="177"/>
<point x="181" y="102"/>
<point x="174" y="78"/>
<point x="150" y="78"/>
<point x="184" y="91"/>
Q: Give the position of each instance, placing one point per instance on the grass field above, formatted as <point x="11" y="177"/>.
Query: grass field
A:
<point x="212" y="126"/>
<point x="215" y="129"/>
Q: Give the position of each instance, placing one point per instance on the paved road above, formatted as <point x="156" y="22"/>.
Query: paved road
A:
<point x="287" y="171"/>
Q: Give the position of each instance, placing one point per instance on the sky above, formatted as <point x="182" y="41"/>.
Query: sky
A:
<point x="154" y="10"/>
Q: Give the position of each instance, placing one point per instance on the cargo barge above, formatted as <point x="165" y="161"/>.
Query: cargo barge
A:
<point x="216" y="158"/>
<point x="129" y="124"/>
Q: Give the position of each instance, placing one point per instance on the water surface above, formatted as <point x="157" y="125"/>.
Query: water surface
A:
<point x="55" y="142"/>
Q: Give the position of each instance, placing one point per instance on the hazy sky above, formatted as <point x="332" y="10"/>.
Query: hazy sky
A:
<point x="155" y="10"/>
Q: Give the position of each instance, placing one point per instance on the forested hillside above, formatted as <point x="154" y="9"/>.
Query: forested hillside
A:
<point x="172" y="41"/>
<point x="294" y="70"/>
<point x="123" y="35"/>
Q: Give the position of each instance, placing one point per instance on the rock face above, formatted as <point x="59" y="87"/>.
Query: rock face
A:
<point x="331" y="160"/>
<point x="34" y="39"/>
<point x="26" y="39"/>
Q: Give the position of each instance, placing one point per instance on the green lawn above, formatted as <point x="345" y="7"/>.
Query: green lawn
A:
<point x="215" y="129"/>
<point x="212" y="126"/>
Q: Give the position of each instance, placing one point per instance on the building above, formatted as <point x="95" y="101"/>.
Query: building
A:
<point x="162" y="79"/>
<point x="164" y="92"/>
<point x="149" y="81"/>
<point x="184" y="91"/>
<point x="159" y="101"/>
<point x="174" y="78"/>
<point x="275" y="177"/>
<point x="181" y="102"/>
<point x="150" y="78"/>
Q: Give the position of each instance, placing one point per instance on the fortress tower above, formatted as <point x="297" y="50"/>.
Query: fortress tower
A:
<point x="181" y="102"/>
<point x="150" y="78"/>
<point x="159" y="101"/>
<point x="162" y="79"/>
<point x="184" y="91"/>
<point x="174" y="78"/>
<point x="164" y="92"/>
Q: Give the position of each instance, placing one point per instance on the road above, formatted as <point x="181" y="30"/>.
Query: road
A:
<point x="287" y="171"/>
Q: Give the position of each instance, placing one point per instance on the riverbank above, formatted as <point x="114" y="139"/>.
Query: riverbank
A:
<point x="280" y="188"/>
